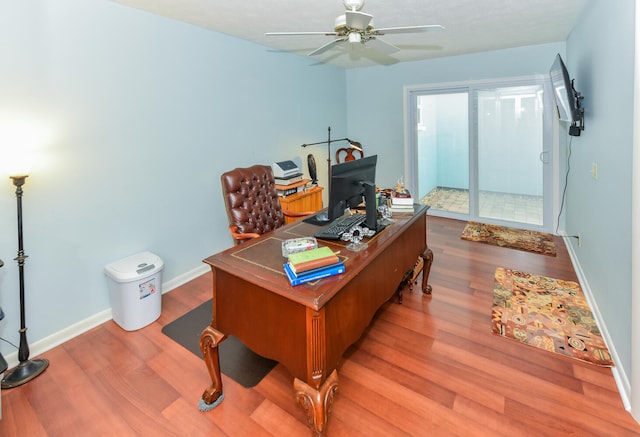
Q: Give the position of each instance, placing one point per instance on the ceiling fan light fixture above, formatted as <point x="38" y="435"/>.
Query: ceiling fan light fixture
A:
<point x="355" y="37"/>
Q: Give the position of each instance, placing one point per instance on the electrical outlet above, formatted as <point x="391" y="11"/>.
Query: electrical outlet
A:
<point x="594" y="170"/>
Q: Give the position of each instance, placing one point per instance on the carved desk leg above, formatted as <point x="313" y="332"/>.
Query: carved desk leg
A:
<point x="209" y="341"/>
<point x="427" y="256"/>
<point x="316" y="393"/>
<point x="317" y="402"/>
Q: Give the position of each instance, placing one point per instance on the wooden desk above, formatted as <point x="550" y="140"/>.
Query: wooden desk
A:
<point x="307" y="328"/>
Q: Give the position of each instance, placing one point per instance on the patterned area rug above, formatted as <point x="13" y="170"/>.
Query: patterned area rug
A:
<point x="547" y="313"/>
<point x="528" y="241"/>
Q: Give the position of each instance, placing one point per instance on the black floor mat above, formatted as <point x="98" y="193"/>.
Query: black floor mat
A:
<point x="236" y="360"/>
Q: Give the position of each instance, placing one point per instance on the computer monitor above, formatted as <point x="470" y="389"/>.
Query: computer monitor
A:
<point x="351" y="183"/>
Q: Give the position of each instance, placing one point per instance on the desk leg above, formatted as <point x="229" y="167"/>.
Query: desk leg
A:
<point x="317" y="402"/>
<point x="427" y="256"/>
<point x="209" y="341"/>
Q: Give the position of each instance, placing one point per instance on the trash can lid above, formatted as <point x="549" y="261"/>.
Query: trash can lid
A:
<point x="134" y="267"/>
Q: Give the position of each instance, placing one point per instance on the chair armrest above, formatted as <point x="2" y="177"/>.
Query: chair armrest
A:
<point x="238" y="237"/>
<point x="297" y="214"/>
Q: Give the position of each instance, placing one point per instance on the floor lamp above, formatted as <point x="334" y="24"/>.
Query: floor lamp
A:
<point x="352" y="144"/>
<point x="27" y="369"/>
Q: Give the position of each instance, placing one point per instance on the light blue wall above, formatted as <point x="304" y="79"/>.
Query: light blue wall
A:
<point x="600" y="53"/>
<point x="145" y="114"/>
<point x="375" y="94"/>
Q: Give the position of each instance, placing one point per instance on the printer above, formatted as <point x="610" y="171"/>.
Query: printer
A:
<point x="285" y="169"/>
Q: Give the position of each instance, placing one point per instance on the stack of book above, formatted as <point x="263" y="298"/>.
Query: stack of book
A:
<point x="401" y="201"/>
<point x="289" y="191"/>
<point x="289" y="179"/>
<point x="290" y="185"/>
<point x="312" y="265"/>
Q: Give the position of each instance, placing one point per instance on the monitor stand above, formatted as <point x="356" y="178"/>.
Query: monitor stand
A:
<point x="319" y="219"/>
<point x="322" y="216"/>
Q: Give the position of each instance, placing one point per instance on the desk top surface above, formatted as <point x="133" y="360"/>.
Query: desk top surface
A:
<point x="260" y="261"/>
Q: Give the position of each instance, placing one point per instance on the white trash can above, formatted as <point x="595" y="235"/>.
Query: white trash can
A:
<point x="135" y="290"/>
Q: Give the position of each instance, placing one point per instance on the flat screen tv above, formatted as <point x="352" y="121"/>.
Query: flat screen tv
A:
<point x="566" y="97"/>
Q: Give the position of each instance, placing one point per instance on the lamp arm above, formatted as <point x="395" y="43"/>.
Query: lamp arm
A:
<point x="353" y="144"/>
<point x="326" y="142"/>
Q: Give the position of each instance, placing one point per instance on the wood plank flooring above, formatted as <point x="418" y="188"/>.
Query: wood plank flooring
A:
<point x="427" y="367"/>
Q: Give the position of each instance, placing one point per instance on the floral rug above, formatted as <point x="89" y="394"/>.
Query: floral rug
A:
<point x="528" y="241"/>
<point x="547" y="313"/>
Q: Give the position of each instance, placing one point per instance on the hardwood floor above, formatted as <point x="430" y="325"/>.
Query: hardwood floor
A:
<point x="430" y="366"/>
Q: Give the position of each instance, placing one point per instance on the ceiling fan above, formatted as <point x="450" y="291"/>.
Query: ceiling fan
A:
<point x="357" y="27"/>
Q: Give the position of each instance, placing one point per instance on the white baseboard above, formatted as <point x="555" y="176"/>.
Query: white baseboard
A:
<point x="41" y="346"/>
<point x="621" y="378"/>
<point x="184" y="278"/>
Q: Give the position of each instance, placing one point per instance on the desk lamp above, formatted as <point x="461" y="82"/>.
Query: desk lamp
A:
<point x="352" y="144"/>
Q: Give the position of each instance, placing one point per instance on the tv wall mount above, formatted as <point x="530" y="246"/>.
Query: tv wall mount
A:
<point x="577" y="126"/>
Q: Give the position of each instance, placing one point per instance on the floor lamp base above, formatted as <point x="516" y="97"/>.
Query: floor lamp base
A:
<point x="24" y="372"/>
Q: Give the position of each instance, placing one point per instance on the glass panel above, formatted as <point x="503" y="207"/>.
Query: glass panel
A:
<point x="510" y="143"/>
<point x="443" y="151"/>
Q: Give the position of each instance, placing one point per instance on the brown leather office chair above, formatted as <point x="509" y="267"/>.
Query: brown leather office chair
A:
<point x="252" y="203"/>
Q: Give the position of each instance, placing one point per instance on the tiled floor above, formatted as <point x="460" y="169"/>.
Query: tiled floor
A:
<point x="500" y="206"/>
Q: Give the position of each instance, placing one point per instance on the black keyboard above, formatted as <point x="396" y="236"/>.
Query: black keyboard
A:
<point x="335" y="230"/>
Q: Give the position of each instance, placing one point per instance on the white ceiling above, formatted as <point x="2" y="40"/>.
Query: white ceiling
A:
<point x="471" y="25"/>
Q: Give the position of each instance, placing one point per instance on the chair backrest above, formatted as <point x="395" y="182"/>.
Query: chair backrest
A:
<point x="349" y="153"/>
<point x="251" y="199"/>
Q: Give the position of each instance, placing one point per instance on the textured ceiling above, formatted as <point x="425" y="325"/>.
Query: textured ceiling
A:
<point x="471" y="25"/>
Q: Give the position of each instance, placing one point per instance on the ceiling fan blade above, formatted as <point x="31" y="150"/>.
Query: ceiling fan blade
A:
<point x="407" y="29"/>
<point x="327" y="46"/>
<point x="382" y="46"/>
<point x="357" y="20"/>
<point x="300" y="33"/>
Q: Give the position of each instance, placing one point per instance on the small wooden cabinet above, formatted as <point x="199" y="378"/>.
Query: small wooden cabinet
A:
<point x="308" y="200"/>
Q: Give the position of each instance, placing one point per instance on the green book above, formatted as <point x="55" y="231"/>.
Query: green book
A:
<point x="313" y="258"/>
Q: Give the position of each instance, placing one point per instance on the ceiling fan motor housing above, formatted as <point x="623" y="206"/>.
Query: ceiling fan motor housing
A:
<point x="340" y="26"/>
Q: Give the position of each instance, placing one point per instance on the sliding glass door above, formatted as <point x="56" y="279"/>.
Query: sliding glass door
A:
<point x="480" y="152"/>
<point x="510" y="147"/>
<point x="442" y="150"/>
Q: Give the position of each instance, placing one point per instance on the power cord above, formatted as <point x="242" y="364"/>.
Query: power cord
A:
<point x="564" y="191"/>
<point x="7" y="341"/>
